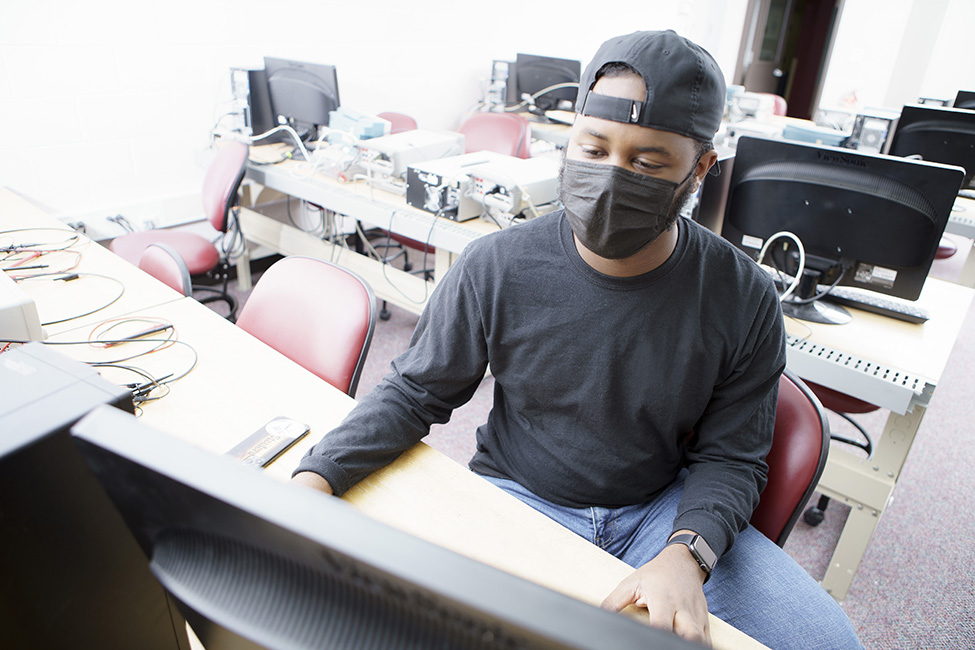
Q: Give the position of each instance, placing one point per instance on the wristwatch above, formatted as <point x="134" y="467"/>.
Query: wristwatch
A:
<point x="700" y="551"/>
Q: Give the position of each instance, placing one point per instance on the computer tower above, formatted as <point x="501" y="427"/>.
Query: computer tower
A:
<point x="71" y="574"/>
<point x="250" y="88"/>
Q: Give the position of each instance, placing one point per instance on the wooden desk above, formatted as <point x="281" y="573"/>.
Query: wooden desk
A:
<point x="373" y="206"/>
<point x="63" y="305"/>
<point x="892" y="364"/>
<point x="239" y="383"/>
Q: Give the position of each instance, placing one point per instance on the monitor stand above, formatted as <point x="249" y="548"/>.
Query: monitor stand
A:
<point x="816" y="311"/>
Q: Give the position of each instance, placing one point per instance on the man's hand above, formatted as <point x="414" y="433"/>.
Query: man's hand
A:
<point x="312" y="480"/>
<point x="669" y="588"/>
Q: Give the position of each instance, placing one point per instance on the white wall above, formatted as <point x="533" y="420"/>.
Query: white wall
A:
<point x="104" y="103"/>
<point x="890" y="52"/>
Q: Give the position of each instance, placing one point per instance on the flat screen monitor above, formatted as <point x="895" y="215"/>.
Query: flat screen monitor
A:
<point x="534" y="74"/>
<point x="71" y="575"/>
<point x="256" y="562"/>
<point x="302" y="94"/>
<point x="864" y="220"/>
<point x="965" y="99"/>
<point x="937" y="134"/>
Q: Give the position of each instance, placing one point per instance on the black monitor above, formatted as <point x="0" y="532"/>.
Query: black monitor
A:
<point x="71" y="574"/>
<point x="965" y="99"/>
<point x="302" y="94"/>
<point x="937" y="134"/>
<point x="533" y="74"/>
<point x="864" y="220"/>
<point x="254" y="560"/>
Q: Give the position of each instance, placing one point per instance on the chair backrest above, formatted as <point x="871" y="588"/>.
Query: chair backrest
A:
<point x="399" y="122"/>
<point x="164" y="263"/>
<point x="505" y="133"/>
<point x="317" y="314"/>
<point x="222" y="180"/>
<point x="800" y="445"/>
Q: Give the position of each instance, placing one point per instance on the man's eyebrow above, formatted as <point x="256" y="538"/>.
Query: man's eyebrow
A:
<point x="663" y="151"/>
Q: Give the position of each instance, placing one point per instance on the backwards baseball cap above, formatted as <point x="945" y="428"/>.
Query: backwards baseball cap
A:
<point x="685" y="87"/>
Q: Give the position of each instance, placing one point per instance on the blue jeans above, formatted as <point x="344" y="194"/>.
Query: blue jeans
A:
<point x="755" y="586"/>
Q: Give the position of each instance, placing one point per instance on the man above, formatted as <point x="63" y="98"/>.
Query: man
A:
<point x="636" y="359"/>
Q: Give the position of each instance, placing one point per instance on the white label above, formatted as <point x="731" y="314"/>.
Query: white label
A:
<point x="751" y="242"/>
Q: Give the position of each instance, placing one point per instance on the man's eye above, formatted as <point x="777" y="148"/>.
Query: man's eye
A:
<point x="646" y="165"/>
<point x="591" y="153"/>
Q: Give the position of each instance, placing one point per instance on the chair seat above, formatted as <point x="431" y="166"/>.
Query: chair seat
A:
<point x="199" y="253"/>
<point x="840" y="402"/>
<point x="946" y="248"/>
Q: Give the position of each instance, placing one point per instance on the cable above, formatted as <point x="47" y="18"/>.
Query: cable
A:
<point x="69" y="277"/>
<point x="802" y="259"/>
<point x="289" y="131"/>
<point x="531" y="99"/>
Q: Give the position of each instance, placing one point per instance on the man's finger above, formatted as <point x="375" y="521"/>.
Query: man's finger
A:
<point x="686" y="627"/>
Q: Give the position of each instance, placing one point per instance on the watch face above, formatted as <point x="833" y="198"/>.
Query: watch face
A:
<point x="703" y="551"/>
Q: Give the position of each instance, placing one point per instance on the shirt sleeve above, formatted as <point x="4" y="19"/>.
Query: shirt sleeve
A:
<point x="440" y="371"/>
<point x="726" y="456"/>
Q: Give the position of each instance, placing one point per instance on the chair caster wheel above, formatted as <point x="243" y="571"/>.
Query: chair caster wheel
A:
<point x="408" y="266"/>
<point x="384" y="314"/>
<point x="813" y="516"/>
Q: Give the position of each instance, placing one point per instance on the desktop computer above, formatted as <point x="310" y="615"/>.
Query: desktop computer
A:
<point x="444" y="186"/>
<point x="870" y="130"/>
<point x="249" y="89"/>
<point x="73" y="575"/>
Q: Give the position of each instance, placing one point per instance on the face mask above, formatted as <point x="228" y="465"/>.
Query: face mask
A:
<point x="613" y="211"/>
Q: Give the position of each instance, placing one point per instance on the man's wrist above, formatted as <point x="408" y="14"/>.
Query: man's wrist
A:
<point x="697" y="549"/>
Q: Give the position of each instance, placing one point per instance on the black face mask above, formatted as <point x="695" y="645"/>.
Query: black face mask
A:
<point x="613" y="211"/>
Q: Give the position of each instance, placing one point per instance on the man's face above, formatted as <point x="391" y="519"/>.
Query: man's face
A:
<point x="639" y="149"/>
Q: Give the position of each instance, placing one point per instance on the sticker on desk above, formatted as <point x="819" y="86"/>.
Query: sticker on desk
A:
<point x="270" y="441"/>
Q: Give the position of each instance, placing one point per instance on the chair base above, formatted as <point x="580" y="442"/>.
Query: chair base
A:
<point x="219" y="296"/>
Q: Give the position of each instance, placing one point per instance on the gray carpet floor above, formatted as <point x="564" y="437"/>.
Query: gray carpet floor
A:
<point x="916" y="585"/>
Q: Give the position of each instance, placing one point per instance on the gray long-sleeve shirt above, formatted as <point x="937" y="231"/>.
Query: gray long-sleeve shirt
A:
<point x="599" y="381"/>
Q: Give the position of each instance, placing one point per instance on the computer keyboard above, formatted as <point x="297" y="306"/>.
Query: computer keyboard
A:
<point x="877" y="304"/>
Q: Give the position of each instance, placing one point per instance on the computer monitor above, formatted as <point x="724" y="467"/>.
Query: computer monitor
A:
<point x="302" y="94"/>
<point x="864" y="220"/>
<point x="937" y="134"/>
<point x="965" y="99"/>
<point x="282" y="566"/>
<point x="71" y="574"/>
<point x="533" y="74"/>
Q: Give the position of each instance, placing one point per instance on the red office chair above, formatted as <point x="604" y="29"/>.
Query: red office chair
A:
<point x="399" y="122"/>
<point x="317" y="314"/>
<point x="202" y="257"/>
<point x="505" y="133"/>
<point x="946" y="248"/>
<point x="779" y="105"/>
<point x="163" y="262"/>
<point x="800" y="444"/>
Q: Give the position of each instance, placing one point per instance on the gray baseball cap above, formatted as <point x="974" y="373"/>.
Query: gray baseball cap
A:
<point x="685" y="86"/>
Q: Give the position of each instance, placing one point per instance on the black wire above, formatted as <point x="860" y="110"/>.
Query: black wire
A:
<point x="70" y="276"/>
